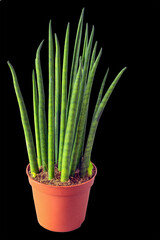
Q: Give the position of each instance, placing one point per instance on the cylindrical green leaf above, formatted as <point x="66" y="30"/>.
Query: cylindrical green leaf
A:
<point x="85" y="44"/>
<point x="63" y="97"/>
<point x="93" y="56"/>
<point x="100" y="92"/>
<point x="85" y="71"/>
<point x="70" y="129"/>
<point x="57" y="96"/>
<point x="36" y="121"/>
<point x="51" y="149"/>
<point x="41" y="110"/>
<point x="26" y="125"/>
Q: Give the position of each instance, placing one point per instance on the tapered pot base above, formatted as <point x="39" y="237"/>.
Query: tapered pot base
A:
<point x="61" y="229"/>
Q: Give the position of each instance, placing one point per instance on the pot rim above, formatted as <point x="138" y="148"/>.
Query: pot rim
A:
<point x="62" y="187"/>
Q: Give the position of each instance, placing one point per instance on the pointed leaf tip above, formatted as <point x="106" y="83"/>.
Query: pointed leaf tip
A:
<point x="39" y="47"/>
<point x="68" y="25"/>
<point x="82" y="13"/>
<point x="50" y="24"/>
<point x="10" y="65"/>
<point x="83" y="9"/>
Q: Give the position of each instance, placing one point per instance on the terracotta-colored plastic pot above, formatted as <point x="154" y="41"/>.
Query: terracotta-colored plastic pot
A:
<point x="60" y="208"/>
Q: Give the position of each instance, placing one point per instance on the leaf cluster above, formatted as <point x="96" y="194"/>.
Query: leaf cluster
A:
<point x="60" y="135"/>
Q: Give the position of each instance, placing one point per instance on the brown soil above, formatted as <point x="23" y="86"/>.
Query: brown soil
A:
<point x="43" y="178"/>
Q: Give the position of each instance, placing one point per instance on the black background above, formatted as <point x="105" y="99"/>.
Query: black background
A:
<point x="124" y="200"/>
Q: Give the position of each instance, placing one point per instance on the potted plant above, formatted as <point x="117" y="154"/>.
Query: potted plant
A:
<point x="60" y="170"/>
